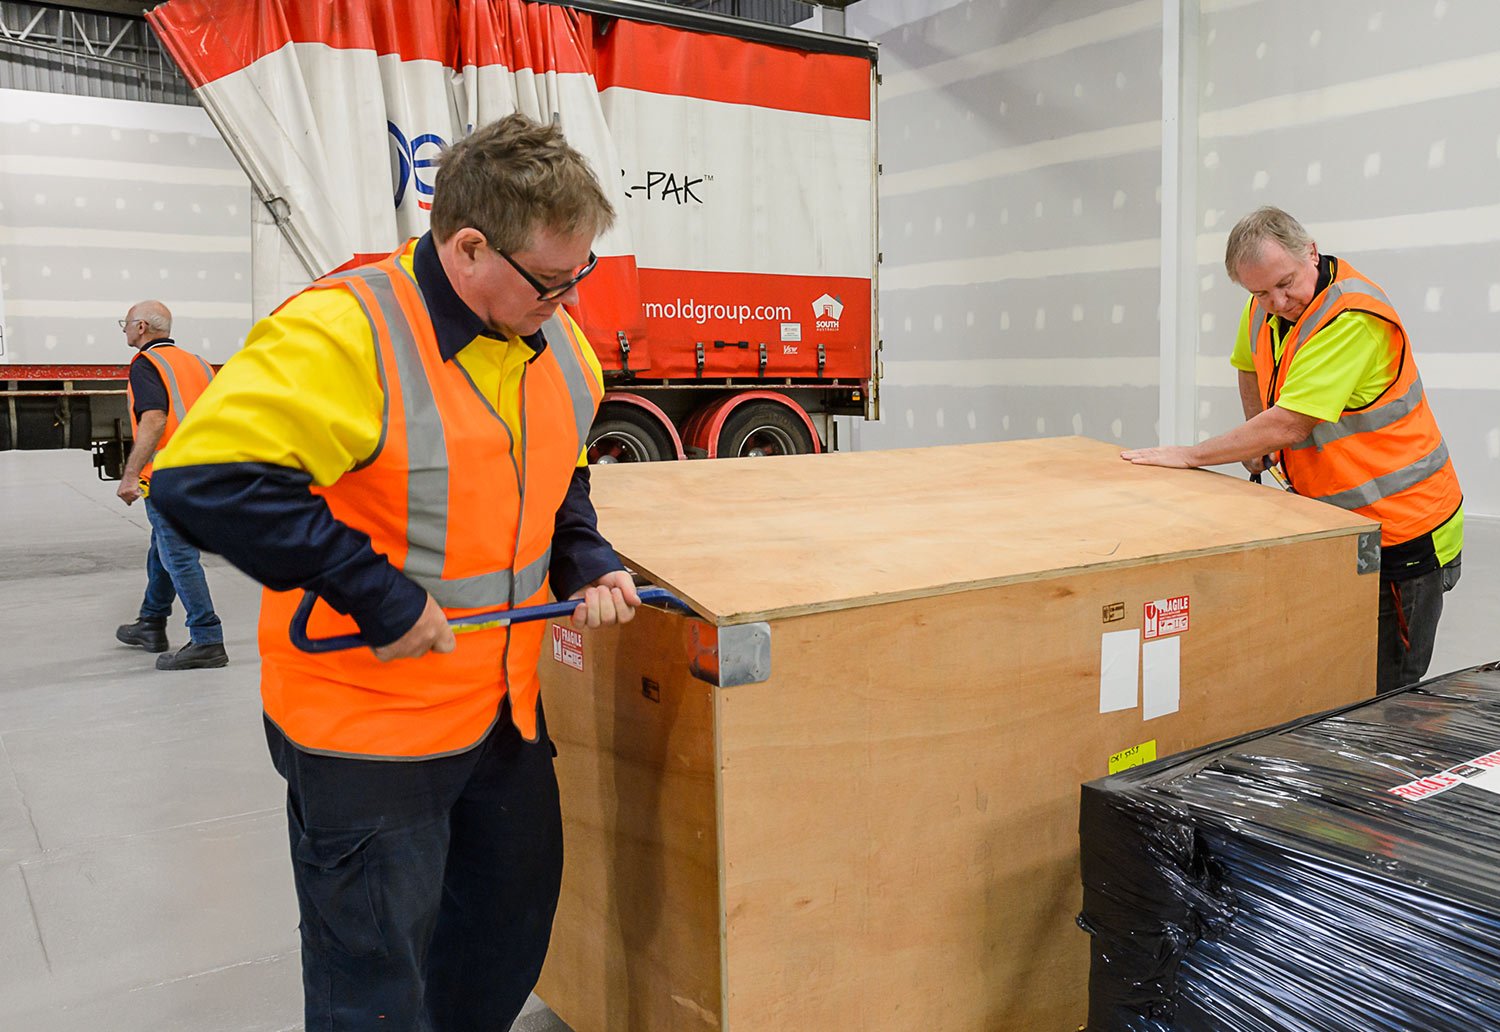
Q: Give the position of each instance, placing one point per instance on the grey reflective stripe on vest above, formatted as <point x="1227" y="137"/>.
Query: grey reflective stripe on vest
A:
<point x="1351" y="423"/>
<point x="170" y="375"/>
<point x="574" y="374"/>
<point x="1257" y="322"/>
<point x="1331" y="296"/>
<point x="427" y="475"/>
<point x="385" y="387"/>
<point x="1372" y="491"/>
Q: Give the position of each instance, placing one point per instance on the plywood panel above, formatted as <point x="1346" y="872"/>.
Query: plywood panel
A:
<point x="636" y="942"/>
<point x="900" y="801"/>
<point x="748" y="539"/>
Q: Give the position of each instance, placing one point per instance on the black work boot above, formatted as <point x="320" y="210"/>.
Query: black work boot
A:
<point x="193" y="656"/>
<point x="149" y="633"/>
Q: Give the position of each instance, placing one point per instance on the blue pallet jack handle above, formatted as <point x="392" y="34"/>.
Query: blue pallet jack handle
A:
<point x="649" y="596"/>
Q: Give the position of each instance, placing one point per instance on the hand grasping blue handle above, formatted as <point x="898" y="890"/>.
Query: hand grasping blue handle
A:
<point x="340" y="642"/>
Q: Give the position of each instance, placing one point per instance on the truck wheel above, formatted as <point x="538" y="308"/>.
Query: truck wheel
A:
<point x="623" y="433"/>
<point x="760" y="428"/>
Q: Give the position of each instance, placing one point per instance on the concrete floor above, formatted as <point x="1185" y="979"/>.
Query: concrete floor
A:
<point x="144" y="879"/>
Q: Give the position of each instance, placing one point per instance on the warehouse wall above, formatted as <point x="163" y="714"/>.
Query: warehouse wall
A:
<point x="104" y="203"/>
<point x="1020" y="218"/>
<point x="1378" y="125"/>
<point x="1020" y="207"/>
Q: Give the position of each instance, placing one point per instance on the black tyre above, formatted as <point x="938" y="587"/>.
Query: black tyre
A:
<point x="623" y="433"/>
<point x="762" y="428"/>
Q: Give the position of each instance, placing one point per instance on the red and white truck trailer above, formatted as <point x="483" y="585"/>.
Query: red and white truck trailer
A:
<point x="733" y="306"/>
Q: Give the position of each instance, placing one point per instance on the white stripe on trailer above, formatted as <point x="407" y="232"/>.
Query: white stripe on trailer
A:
<point x="742" y="163"/>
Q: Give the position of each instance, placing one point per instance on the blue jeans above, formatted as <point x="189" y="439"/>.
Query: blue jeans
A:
<point x="173" y="570"/>
<point x="426" y="887"/>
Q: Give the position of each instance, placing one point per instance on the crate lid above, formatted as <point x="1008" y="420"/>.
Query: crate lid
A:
<point x="755" y="539"/>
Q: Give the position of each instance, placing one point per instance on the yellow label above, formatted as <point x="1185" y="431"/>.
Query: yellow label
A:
<point x="1132" y="757"/>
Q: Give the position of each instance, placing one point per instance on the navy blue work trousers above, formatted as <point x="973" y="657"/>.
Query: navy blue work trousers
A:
<point x="426" y="887"/>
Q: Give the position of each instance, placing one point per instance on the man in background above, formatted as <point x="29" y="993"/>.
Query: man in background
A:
<point x="1331" y="394"/>
<point x="165" y="381"/>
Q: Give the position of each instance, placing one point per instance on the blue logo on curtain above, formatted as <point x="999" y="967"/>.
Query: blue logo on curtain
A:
<point x="414" y="161"/>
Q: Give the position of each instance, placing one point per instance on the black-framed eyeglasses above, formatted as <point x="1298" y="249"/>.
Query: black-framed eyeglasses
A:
<point x="543" y="291"/>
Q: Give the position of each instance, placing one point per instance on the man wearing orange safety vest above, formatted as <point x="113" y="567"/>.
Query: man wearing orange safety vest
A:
<point x="165" y="381"/>
<point x="397" y="446"/>
<point x="1331" y="393"/>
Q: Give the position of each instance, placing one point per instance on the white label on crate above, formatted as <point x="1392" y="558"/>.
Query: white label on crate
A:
<point x="1161" y="676"/>
<point x="567" y="646"/>
<point x="1165" y="616"/>
<point x="1481" y="772"/>
<point x="1119" y="663"/>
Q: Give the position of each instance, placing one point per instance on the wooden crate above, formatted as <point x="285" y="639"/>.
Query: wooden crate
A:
<point x="883" y="834"/>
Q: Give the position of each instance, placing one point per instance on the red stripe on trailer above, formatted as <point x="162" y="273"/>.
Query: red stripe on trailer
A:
<point x="658" y="59"/>
<point x="210" y="39"/>
<point x="516" y="35"/>
<point x="64" y="372"/>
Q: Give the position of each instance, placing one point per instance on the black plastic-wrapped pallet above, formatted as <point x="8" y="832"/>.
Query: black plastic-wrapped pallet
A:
<point x="1339" y="872"/>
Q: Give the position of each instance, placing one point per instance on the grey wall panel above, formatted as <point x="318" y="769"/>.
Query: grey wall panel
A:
<point x="30" y="138"/>
<point x="1068" y="204"/>
<point x="1020" y="219"/>
<point x="1101" y="315"/>
<point x="104" y="203"/>
<point x="919" y="415"/>
<point x="1091" y="88"/>
<point x="1378" y="126"/>
<point x="1269" y="47"/>
<point x="1424" y="156"/>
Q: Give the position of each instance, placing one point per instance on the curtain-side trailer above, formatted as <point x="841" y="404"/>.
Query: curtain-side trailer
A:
<point x="733" y="306"/>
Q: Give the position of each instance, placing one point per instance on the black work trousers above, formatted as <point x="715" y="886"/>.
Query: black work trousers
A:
<point x="1409" y="614"/>
<point x="427" y="888"/>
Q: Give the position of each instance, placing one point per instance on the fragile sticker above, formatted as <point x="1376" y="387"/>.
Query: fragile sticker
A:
<point x="1133" y="757"/>
<point x="1165" y="616"/>
<point x="1480" y="772"/>
<point x="567" y="646"/>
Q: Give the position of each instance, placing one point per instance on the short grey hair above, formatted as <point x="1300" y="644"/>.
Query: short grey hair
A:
<point x="1262" y="226"/>
<point x="156" y="316"/>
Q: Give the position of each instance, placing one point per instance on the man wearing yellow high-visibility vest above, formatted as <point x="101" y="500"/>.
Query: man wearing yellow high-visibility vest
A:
<point x="1331" y="393"/>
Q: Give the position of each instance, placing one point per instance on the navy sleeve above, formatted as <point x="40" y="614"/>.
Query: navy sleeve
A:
<point x="580" y="555"/>
<point x="148" y="389"/>
<point x="265" y="520"/>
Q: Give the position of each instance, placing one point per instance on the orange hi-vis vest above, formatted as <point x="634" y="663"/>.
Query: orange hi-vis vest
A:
<point x="186" y="376"/>
<point x="1386" y="459"/>
<point x="462" y="503"/>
